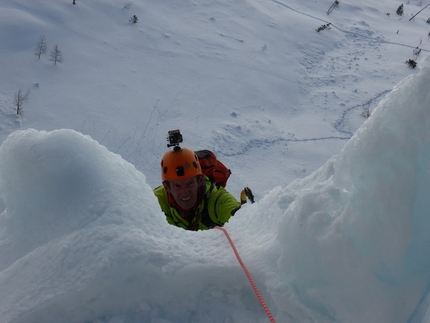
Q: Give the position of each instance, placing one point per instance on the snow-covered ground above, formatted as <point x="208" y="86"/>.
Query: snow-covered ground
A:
<point x="340" y="229"/>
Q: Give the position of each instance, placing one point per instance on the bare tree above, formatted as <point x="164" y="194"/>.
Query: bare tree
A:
<point x="19" y="99"/>
<point x="335" y="4"/>
<point x="127" y="6"/>
<point x="56" y="55"/>
<point x="41" y="47"/>
<point x="366" y="110"/>
<point x="416" y="52"/>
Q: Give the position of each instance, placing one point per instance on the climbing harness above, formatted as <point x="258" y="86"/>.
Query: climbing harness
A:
<point x="248" y="275"/>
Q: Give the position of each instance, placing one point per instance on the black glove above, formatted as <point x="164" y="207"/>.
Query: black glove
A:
<point x="249" y="194"/>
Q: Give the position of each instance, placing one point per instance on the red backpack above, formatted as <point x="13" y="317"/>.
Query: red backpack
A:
<point x="217" y="172"/>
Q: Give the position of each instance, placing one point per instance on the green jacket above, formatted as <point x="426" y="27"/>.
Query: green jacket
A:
<point x="215" y="209"/>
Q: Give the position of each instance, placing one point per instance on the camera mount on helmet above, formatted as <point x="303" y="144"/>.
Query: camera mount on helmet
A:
<point x="174" y="137"/>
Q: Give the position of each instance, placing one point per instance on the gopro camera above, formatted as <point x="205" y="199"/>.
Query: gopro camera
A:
<point x="174" y="138"/>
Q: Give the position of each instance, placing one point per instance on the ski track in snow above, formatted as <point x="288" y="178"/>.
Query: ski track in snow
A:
<point x="266" y="142"/>
<point x="342" y="122"/>
<point x="340" y="125"/>
<point x="318" y="67"/>
<point x="357" y="35"/>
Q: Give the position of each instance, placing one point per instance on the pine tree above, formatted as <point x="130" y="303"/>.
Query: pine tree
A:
<point x="133" y="19"/>
<point x="399" y="10"/>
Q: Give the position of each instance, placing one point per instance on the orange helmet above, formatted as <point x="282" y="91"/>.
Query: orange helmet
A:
<point x="180" y="163"/>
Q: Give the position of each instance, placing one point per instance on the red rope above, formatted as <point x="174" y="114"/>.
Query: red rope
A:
<point x="254" y="287"/>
